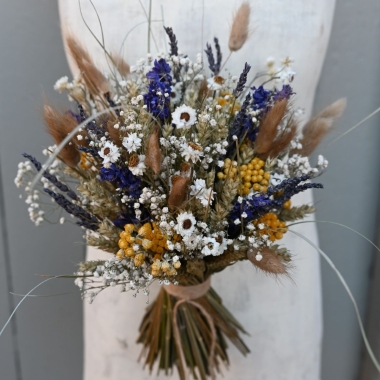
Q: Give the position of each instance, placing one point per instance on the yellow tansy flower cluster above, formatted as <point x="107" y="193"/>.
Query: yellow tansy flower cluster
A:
<point x="150" y="237"/>
<point x="160" y="267"/>
<point x="152" y="233"/>
<point x="252" y="175"/>
<point x="273" y="227"/>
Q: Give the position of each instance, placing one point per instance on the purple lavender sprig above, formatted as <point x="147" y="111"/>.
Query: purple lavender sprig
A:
<point x="256" y="205"/>
<point x="239" y="126"/>
<point x="172" y="41"/>
<point x="210" y="58"/>
<point x="50" y="177"/>
<point x="85" y="219"/>
<point x="218" y="56"/>
<point x="214" y="66"/>
<point x="91" y="127"/>
<point x="242" y="81"/>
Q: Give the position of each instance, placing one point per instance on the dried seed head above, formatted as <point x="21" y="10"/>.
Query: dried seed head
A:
<point x="240" y="27"/>
<point x="195" y="146"/>
<point x="267" y="261"/>
<point x="133" y="160"/>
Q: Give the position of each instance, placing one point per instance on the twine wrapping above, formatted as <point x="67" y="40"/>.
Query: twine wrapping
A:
<point x="187" y="294"/>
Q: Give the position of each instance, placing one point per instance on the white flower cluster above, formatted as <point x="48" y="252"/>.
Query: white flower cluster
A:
<point x="112" y="273"/>
<point x="153" y="199"/>
<point x="283" y="74"/>
<point x="297" y="166"/>
<point x="75" y="88"/>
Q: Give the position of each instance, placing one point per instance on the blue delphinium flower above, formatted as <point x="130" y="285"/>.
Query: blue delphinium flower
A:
<point x="158" y="104"/>
<point x="242" y="127"/>
<point x="285" y="93"/>
<point x="123" y="178"/>
<point x="157" y="99"/>
<point x="160" y="72"/>
<point x="261" y="98"/>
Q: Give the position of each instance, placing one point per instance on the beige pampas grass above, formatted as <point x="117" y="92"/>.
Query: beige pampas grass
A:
<point x="94" y="79"/>
<point x="240" y="28"/>
<point x="268" y="127"/>
<point x="178" y="193"/>
<point x="59" y="126"/>
<point x="122" y="67"/>
<point x="281" y="143"/>
<point x="270" y="262"/>
<point x="317" y="128"/>
<point x="153" y="155"/>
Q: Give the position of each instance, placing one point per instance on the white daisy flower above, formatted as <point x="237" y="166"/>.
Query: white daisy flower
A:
<point x="132" y="142"/>
<point x="201" y="192"/>
<point x="184" y="117"/>
<point x="109" y="153"/>
<point x="186" y="224"/>
<point x="190" y="154"/>
<point x="211" y="246"/>
<point x="139" y="169"/>
<point x="191" y="241"/>
<point x="215" y="83"/>
<point x="223" y="242"/>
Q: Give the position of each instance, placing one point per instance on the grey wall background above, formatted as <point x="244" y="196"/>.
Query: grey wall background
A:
<point x="45" y="340"/>
<point x="351" y="185"/>
<point x="48" y="343"/>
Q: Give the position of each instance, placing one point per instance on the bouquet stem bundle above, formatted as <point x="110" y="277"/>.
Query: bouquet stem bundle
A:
<point x="176" y="331"/>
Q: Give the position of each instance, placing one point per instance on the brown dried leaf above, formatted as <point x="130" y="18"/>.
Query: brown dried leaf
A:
<point x="178" y="193"/>
<point x="153" y="153"/>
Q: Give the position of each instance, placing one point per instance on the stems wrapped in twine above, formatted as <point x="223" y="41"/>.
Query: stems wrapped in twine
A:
<point x="186" y="327"/>
<point x="187" y="294"/>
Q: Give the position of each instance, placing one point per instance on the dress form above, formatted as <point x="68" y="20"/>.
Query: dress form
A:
<point x="284" y="319"/>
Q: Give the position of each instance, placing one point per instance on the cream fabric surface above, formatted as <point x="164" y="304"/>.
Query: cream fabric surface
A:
<point x="284" y="317"/>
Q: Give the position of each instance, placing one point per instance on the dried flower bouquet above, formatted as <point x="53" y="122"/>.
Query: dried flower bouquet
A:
<point x="178" y="176"/>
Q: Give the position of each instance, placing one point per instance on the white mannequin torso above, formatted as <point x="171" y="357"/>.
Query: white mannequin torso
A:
<point x="284" y="319"/>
